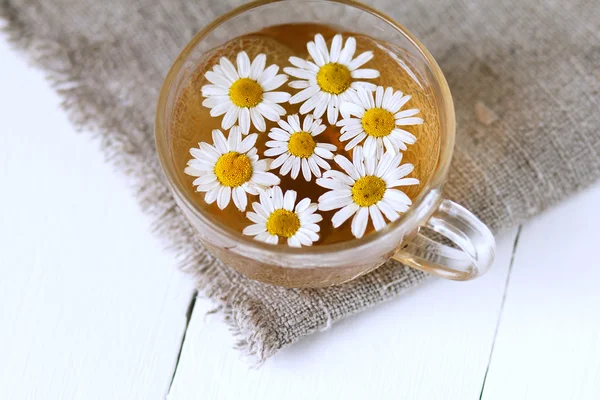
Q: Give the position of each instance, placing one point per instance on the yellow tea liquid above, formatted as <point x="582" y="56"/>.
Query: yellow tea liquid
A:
<point x="192" y="123"/>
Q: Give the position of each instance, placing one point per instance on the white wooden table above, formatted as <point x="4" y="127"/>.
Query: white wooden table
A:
<point x="92" y="307"/>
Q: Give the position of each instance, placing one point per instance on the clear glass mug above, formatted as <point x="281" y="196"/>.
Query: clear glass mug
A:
<point x="325" y="265"/>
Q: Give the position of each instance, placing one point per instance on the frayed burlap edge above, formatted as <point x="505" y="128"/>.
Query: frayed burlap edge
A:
<point x="249" y="327"/>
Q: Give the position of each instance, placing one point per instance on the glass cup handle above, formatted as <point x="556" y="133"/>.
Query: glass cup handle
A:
<point x="474" y="241"/>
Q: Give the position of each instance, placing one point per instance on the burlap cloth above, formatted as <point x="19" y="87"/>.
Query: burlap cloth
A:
<point x="525" y="77"/>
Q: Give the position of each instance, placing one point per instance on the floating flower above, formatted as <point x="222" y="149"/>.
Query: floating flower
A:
<point x="229" y="168"/>
<point x="377" y="121"/>
<point x="366" y="189"/>
<point x="328" y="80"/>
<point x="275" y="217"/>
<point x="245" y="93"/>
<point x="296" y="148"/>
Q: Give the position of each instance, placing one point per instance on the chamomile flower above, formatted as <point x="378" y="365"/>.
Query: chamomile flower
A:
<point x="377" y="121"/>
<point x="366" y="189"/>
<point x="328" y="80"/>
<point x="275" y="217"/>
<point x="296" y="148"/>
<point x="229" y="168"/>
<point x="245" y="93"/>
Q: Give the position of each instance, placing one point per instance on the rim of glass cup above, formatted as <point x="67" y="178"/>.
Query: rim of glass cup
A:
<point x="424" y="205"/>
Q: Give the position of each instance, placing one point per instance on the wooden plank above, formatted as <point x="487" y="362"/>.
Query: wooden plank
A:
<point x="91" y="307"/>
<point x="548" y="343"/>
<point x="431" y="343"/>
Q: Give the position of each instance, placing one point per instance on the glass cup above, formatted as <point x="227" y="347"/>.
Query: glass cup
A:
<point x="472" y="251"/>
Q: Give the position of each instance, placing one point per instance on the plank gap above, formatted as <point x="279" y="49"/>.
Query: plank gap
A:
<point x="510" y="268"/>
<point x="188" y="318"/>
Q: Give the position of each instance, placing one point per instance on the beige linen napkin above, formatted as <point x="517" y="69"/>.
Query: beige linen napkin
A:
<point x="525" y="76"/>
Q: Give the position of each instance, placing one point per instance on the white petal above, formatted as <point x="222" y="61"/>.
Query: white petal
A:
<point x="245" y="120"/>
<point x="258" y="66"/>
<point x="322" y="103"/>
<point x="273" y="239"/>
<point x="277" y="195"/>
<point x="342" y="215"/>
<point x="327" y="146"/>
<point x="355" y="141"/>
<point x="359" y="222"/>
<point x="263" y="237"/>
<point x="303" y="205"/>
<point x="333" y="184"/>
<point x="379" y="96"/>
<point x="396" y="198"/>
<point x="217" y="79"/>
<point x="388" y="210"/>
<point x="240" y="199"/>
<point x="303" y="64"/>
<point x="320" y="162"/>
<point x="360" y="60"/>
<point x="256" y="218"/>
<point x="333" y="110"/>
<point x="279" y="161"/>
<point x="339" y="176"/>
<point x="314" y="167"/>
<point x="228" y="69"/>
<point x="243" y="64"/>
<point x="276" y="97"/>
<point x="274" y="152"/>
<point x="294" y="242"/>
<point x="300" y="73"/>
<point x="287" y="165"/>
<point x="234" y="138"/>
<point x="332" y="204"/>
<point x="323" y="153"/>
<point x="221" y="109"/>
<point x="295" y="168"/>
<point x="403" y="182"/>
<point x="366" y="98"/>
<point x="306" y="170"/>
<point x="268" y="74"/>
<point x="306" y="124"/>
<point x="336" y="48"/>
<point x="289" y="200"/>
<point x="212" y="195"/>
<point x="257" y="120"/>
<point x="299" y="84"/>
<point x="294" y="122"/>
<point x="409" y="121"/>
<point x="397" y="101"/>
<point x="387" y="98"/>
<point x="370" y="146"/>
<point x="404" y="136"/>
<point x="223" y="197"/>
<point x="406" y="113"/>
<point x="265" y="178"/>
<point x="358" y="160"/>
<point x="370" y="164"/>
<point x="376" y="218"/>
<point x="353" y="109"/>
<point x="348" y="51"/>
<point x="254" y="230"/>
<point x="214" y="90"/>
<point x="274" y="82"/>
<point x="303" y="238"/>
<point x="322" y="46"/>
<point x="347" y="166"/>
<point x="310" y="233"/>
<point x="316" y="55"/>
<point x="269" y="112"/>
<point x="365" y="74"/>
<point x="219" y="141"/>
<point x="214" y="101"/>
<point x="230" y="118"/>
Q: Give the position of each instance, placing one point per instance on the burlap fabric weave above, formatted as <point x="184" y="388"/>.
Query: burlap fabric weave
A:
<point x="525" y="76"/>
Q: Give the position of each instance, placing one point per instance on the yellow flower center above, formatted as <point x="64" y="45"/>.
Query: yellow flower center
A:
<point x="378" y="122"/>
<point x="283" y="223"/>
<point x="301" y="144"/>
<point x="233" y="169"/>
<point x="368" y="190"/>
<point x="246" y="92"/>
<point x="334" y="78"/>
